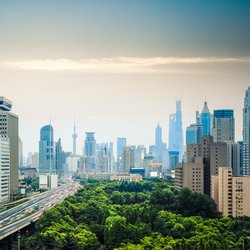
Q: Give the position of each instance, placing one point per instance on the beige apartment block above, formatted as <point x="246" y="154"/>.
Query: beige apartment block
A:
<point x="231" y="194"/>
<point x="190" y="175"/>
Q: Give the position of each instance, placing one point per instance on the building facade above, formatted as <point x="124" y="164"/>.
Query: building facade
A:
<point x="205" y="120"/>
<point x="4" y="169"/>
<point x="190" y="175"/>
<point x="9" y="129"/>
<point x="223" y="125"/>
<point x="230" y="193"/>
<point x="47" y="159"/>
<point x="175" y="132"/>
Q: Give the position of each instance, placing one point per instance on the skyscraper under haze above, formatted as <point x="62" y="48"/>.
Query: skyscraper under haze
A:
<point x="121" y="144"/>
<point x="47" y="161"/>
<point x="9" y="129"/>
<point x="205" y="120"/>
<point x="246" y="134"/>
<point x="176" y="132"/>
<point x="90" y="144"/>
<point x="223" y="125"/>
<point x="158" y="142"/>
<point x="74" y="136"/>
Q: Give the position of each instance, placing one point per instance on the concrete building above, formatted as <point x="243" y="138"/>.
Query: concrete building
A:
<point x="128" y="159"/>
<point x="9" y="129"/>
<point x="231" y="194"/>
<point x="72" y="163"/>
<point x="104" y="161"/>
<point x="140" y="152"/>
<point x="4" y="169"/>
<point x="20" y="145"/>
<point x="190" y="175"/>
<point x="214" y="155"/>
<point x="47" y="159"/>
<point x="35" y="160"/>
<point x="246" y="134"/>
<point x="126" y="177"/>
<point x="48" y="181"/>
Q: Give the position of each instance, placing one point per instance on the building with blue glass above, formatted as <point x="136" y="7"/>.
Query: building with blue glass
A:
<point x="223" y="125"/>
<point x="205" y="120"/>
<point x="47" y="159"/>
<point x="194" y="133"/>
<point x="90" y="144"/>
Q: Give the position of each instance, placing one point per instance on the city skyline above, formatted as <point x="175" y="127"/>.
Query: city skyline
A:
<point x="119" y="67"/>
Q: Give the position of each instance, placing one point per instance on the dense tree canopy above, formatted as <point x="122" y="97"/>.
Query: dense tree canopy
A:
<point x="145" y="215"/>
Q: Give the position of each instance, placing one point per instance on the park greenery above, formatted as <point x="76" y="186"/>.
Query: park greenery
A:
<point x="136" y="216"/>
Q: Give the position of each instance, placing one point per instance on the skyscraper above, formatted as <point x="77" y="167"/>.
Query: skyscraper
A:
<point x="205" y="119"/>
<point x="90" y="144"/>
<point x="158" y="135"/>
<point x="47" y="163"/>
<point x="223" y="125"/>
<point x="176" y="132"/>
<point x="9" y="129"/>
<point x="246" y="134"/>
<point x="158" y="142"/>
<point x="194" y="133"/>
<point x="121" y="144"/>
<point x="128" y="159"/>
<point x="74" y="136"/>
<point x="59" y="158"/>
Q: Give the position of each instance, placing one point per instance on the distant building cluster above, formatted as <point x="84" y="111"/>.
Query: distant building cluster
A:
<point x="210" y="163"/>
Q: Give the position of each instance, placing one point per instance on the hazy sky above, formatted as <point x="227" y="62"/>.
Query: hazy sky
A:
<point x="118" y="66"/>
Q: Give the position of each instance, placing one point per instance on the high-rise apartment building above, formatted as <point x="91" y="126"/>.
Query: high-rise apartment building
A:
<point x="214" y="155"/>
<point x="47" y="161"/>
<point x="230" y="193"/>
<point x="205" y="120"/>
<point x="190" y="175"/>
<point x="175" y="131"/>
<point x="4" y="169"/>
<point x="223" y="125"/>
<point x="246" y="134"/>
<point x="9" y="129"/>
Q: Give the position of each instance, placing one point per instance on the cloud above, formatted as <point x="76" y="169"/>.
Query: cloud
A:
<point x="118" y="64"/>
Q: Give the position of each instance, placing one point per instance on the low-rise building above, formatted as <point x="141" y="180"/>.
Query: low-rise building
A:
<point x="126" y="177"/>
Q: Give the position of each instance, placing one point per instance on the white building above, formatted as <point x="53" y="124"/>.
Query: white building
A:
<point x="72" y="163"/>
<point x="4" y="170"/>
